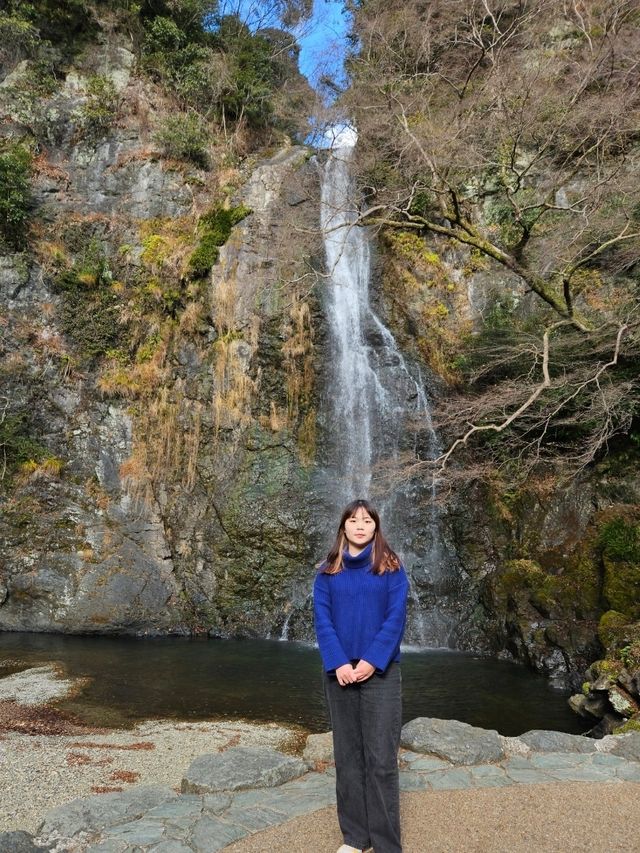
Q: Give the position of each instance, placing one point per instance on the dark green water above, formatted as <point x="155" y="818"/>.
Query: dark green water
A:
<point x="267" y="680"/>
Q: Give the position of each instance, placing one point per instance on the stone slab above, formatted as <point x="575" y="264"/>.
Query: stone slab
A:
<point x="211" y="834"/>
<point x="138" y="832"/>
<point x="413" y="781"/>
<point x="18" y="842"/>
<point x="170" y="846"/>
<point x="449" y="780"/>
<point x="91" y="814"/>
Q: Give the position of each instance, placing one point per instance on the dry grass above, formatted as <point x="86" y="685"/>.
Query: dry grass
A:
<point x="166" y="445"/>
<point x="233" y="387"/>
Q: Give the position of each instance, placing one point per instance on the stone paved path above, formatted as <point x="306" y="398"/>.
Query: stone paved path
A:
<point x="209" y="822"/>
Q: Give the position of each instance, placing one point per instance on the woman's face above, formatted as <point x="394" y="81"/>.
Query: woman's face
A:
<point x="359" y="529"/>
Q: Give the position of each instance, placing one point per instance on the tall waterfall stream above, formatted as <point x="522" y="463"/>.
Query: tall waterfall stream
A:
<point x="380" y="415"/>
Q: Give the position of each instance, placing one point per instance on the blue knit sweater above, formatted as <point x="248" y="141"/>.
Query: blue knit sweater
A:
<point x="359" y="615"/>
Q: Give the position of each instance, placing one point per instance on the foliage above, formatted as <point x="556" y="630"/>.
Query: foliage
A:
<point x="99" y="111"/>
<point x="90" y="311"/>
<point x="220" y="67"/>
<point x="253" y="73"/>
<point x="214" y="228"/>
<point x="17" y="444"/>
<point x="15" y="194"/>
<point x="613" y="628"/>
<point x="50" y="30"/>
<point x="480" y="128"/>
<point x="185" y="137"/>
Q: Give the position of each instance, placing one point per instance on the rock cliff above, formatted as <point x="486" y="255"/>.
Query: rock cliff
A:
<point x="157" y="420"/>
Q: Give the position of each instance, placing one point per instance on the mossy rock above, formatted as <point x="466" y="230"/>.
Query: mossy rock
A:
<point x="632" y="725"/>
<point x="612" y="628"/>
<point x="622" y="586"/>
<point x="619" y="543"/>
<point x="575" y="592"/>
<point x="215" y="228"/>
<point x="577" y="589"/>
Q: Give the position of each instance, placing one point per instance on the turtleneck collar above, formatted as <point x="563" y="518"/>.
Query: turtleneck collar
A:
<point x="361" y="560"/>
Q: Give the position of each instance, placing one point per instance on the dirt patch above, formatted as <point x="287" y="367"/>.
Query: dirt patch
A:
<point x="41" y="720"/>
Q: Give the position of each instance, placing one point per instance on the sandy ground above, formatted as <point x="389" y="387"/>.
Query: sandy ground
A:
<point x="590" y="817"/>
<point x="57" y="761"/>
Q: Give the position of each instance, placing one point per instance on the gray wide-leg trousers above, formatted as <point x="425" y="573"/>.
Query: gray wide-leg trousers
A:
<point x="366" y="719"/>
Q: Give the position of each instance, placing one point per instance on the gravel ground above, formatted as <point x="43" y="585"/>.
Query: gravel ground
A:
<point x="40" y="771"/>
<point x="568" y="817"/>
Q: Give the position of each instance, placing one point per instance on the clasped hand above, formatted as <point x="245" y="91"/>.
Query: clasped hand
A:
<point x="348" y="674"/>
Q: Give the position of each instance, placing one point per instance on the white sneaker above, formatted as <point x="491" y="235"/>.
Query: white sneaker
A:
<point x="346" y="849"/>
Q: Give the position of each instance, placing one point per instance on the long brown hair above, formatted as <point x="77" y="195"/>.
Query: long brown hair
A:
<point x="384" y="559"/>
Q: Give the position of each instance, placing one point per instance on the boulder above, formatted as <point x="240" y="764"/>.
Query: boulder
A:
<point x="452" y="740"/>
<point x="625" y="745"/>
<point x="541" y="740"/>
<point x="319" y="748"/>
<point x="622" y="702"/>
<point x="239" y="768"/>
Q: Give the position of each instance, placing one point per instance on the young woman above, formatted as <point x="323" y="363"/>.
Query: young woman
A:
<point x="360" y="605"/>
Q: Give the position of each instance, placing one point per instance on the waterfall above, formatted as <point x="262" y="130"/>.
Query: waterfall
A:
<point x="378" y="415"/>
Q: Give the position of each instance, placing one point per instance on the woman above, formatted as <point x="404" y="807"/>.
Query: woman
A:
<point x="360" y="605"/>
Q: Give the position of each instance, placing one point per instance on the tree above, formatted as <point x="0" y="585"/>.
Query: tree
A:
<point x="510" y="127"/>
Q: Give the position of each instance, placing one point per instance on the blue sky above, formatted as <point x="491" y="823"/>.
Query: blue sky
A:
<point x="323" y="41"/>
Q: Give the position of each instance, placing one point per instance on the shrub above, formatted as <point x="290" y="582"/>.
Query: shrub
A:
<point x="15" y="195"/>
<point x="17" y="445"/>
<point x="101" y="107"/>
<point x="89" y="314"/>
<point x="185" y="137"/>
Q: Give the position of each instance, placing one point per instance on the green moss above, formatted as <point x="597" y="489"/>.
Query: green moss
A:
<point x="612" y="628"/>
<point x="578" y="587"/>
<point x="574" y="592"/>
<point x="619" y="541"/>
<point x="155" y="250"/>
<point x="632" y="725"/>
<point x="215" y="228"/>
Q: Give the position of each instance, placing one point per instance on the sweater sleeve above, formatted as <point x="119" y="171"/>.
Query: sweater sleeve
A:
<point x="390" y="634"/>
<point x="331" y="650"/>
